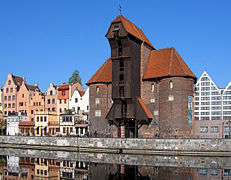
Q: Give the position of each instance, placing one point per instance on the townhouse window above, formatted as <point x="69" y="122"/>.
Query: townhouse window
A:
<point x="5" y="105"/>
<point x="98" y="113"/>
<point x="48" y="101"/>
<point x="96" y="100"/>
<point x="60" y="110"/>
<point x="5" y="98"/>
<point x="32" y="111"/>
<point x="25" y="103"/>
<point x="20" y="103"/>
<point x="53" y="101"/>
<point x="65" y="101"/>
<point x="9" y="105"/>
<point x="22" y="95"/>
<point x="203" y="171"/>
<point x="60" y="101"/>
<point x="36" y="103"/>
<point x="51" y="93"/>
<point x="64" y="130"/>
<point x="7" y="90"/>
<point x="9" y="98"/>
<point x="45" y="172"/>
<point x="13" y="97"/>
<point x="63" y="93"/>
<point x="11" y="89"/>
<point x="53" y="109"/>
<point x="45" y="119"/>
<point x="170" y="84"/>
<point x="41" y="118"/>
<point x="37" y="171"/>
<point x="13" y="105"/>
<point x="39" y="103"/>
<point x="37" y="118"/>
<point x="71" y="129"/>
<point x="76" y="100"/>
<point x="9" y="82"/>
<point x="49" y="109"/>
<point x="87" y="107"/>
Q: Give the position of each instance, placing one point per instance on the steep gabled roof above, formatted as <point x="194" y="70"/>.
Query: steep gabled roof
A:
<point x="30" y="87"/>
<point x="132" y="29"/>
<point x="166" y="62"/>
<point x="81" y="93"/>
<point x="17" y="80"/>
<point x="103" y="75"/>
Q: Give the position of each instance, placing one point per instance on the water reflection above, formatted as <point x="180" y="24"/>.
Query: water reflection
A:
<point x="13" y="167"/>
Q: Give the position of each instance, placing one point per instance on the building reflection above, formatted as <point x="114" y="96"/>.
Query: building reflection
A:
<point x="21" y="168"/>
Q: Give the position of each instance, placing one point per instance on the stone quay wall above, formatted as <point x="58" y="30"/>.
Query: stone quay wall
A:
<point x="210" y="147"/>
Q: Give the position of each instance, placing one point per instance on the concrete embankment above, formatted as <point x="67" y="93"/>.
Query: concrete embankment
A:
<point x="192" y="147"/>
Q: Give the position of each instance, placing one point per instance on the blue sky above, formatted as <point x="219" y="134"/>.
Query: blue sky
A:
<point x="46" y="40"/>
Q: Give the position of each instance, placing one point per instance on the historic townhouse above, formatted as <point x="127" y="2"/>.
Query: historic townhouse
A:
<point x="79" y="102"/>
<point x="63" y="98"/>
<point x="140" y="91"/>
<point x="10" y="92"/>
<point x="212" y="109"/>
<point x="23" y="97"/>
<point x="37" y="103"/>
<point x="46" y="123"/>
<point x="51" y="98"/>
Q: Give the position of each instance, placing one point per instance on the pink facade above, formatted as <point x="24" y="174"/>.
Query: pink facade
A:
<point x="51" y="99"/>
<point x="10" y="92"/>
<point x="37" y="103"/>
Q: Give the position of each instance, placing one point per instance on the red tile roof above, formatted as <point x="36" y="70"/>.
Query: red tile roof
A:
<point x="146" y="110"/>
<point x="166" y="62"/>
<point x="103" y="75"/>
<point x="133" y="29"/>
<point x="63" y="86"/>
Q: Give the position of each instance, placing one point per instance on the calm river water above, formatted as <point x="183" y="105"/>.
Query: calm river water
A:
<point x="39" y="164"/>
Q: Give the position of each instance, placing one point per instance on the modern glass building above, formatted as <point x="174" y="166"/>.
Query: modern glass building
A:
<point x="210" y="101"/>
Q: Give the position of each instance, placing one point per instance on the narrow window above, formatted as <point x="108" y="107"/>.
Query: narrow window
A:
<point x="121" y="77"/>
<point x="121" y="91"/>
<point x="121" y="65"/>
<point x="9" y="82"/>
<point x="170" y="84"/>
<point x="51" y="93"/>
<point x="22" y="95"/>
<point x="97" y="89"/>
<point x="153" y="87"/>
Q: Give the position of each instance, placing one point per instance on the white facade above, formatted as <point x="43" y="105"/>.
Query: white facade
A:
<point x="12" y="125"/>
<point x="211" y="102"/>
<point x="78" y="102"/>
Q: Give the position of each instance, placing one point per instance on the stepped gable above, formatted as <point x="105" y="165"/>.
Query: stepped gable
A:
<point x="132" y="29"/>
<point x="166" y="62"/>
<point x="103" y="75"/>
<point x="17" y="80"/>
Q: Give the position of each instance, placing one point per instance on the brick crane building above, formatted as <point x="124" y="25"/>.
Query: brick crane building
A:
<point x="140" y="91"/>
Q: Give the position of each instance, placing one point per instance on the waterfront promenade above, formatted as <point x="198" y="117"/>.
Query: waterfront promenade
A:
<point x="191" y="147"/>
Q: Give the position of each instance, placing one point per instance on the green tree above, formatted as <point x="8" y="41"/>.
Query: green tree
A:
<point x="75" y="78"/>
